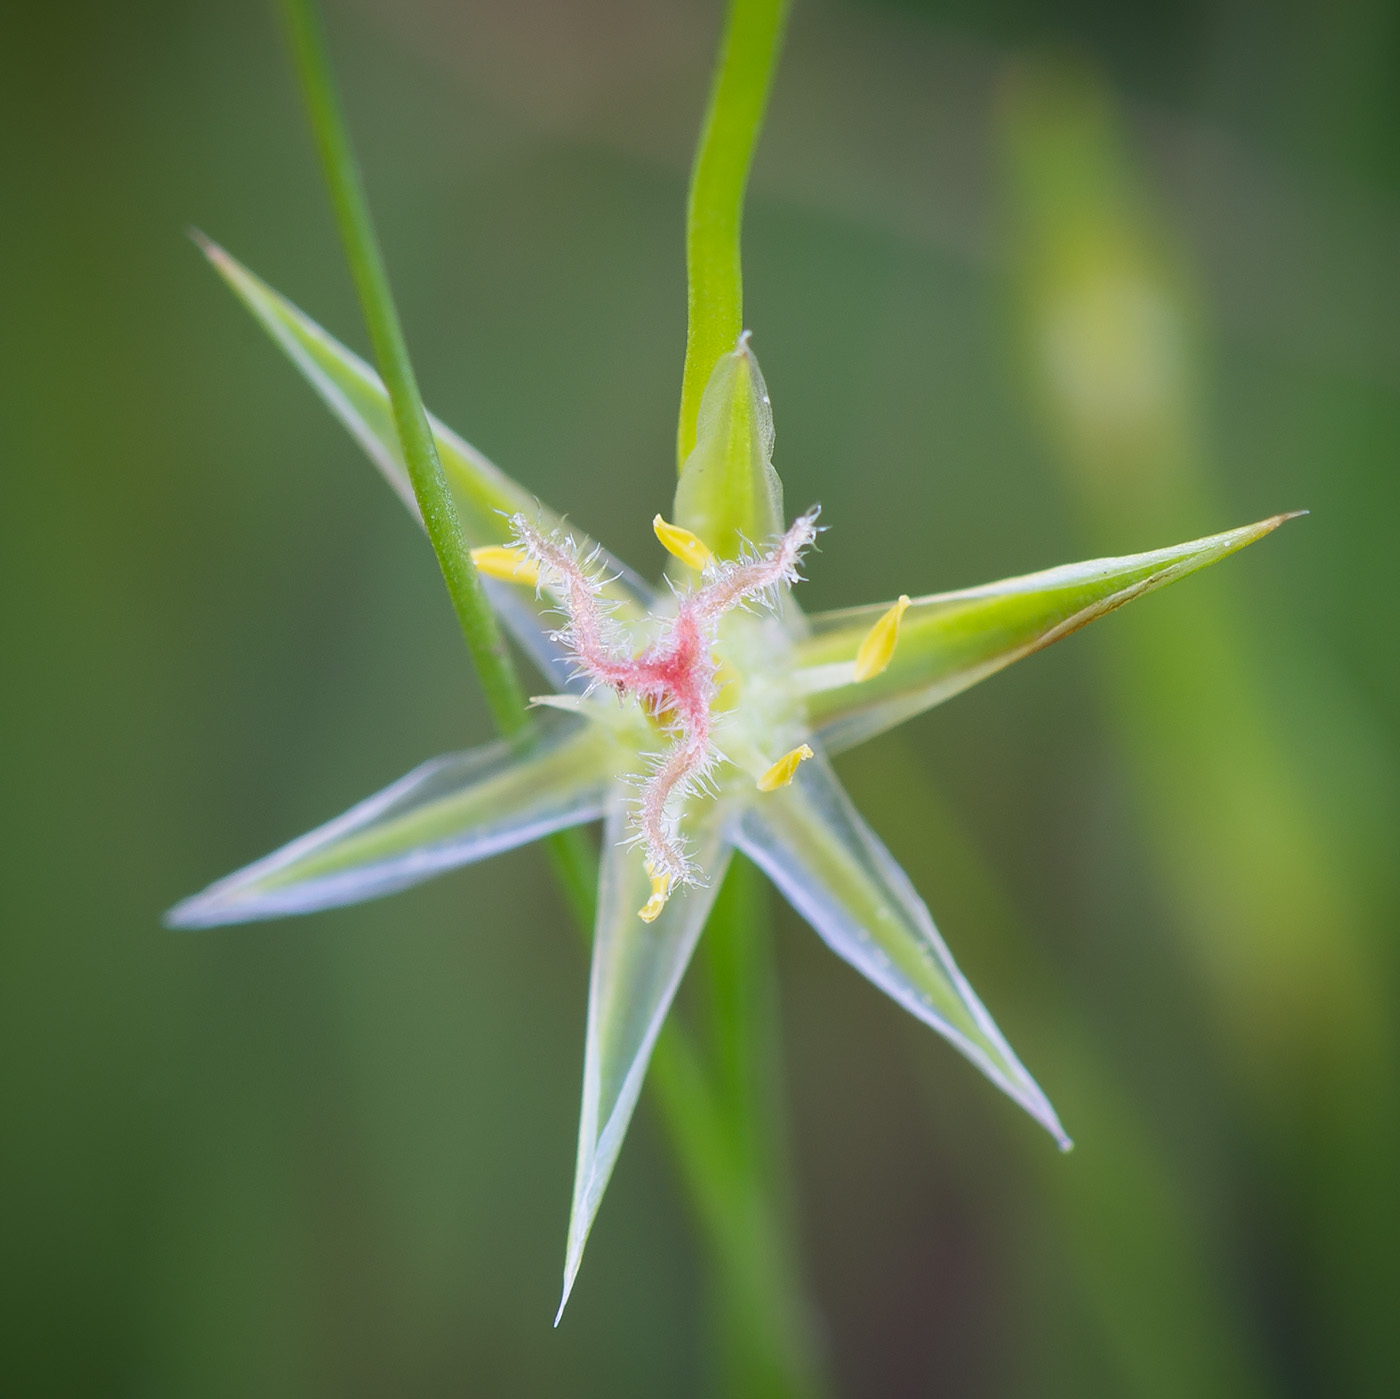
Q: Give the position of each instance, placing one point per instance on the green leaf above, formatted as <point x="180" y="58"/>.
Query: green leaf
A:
<point x="451" y="811"/>
<point x="637" y="968"/>
<point x="728" y="491"/>
<point x="832" y="868"/>
<point x="950" y="641"/>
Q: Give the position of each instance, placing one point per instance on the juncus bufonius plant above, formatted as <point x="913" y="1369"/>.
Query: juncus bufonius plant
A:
<point x="694" y="718"/>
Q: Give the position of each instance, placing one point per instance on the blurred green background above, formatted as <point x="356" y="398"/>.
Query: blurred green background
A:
<point x="1029" y="283"/>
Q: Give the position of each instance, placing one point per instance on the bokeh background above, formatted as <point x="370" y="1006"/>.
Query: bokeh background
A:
<point x="1029" y="282"/>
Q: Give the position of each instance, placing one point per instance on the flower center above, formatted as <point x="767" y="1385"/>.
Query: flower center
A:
<point x="673" y="677"/>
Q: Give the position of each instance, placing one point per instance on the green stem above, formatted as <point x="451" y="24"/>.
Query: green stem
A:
<point x="765" y="1321"/>
<point x="714" y="216"/>
<point x="504" y="693"/>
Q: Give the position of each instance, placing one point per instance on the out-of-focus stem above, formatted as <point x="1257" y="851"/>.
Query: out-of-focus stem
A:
<point x="767" y="1328"/>
<point x="1271" y="903"/>
<point x="1145" y="1268"/>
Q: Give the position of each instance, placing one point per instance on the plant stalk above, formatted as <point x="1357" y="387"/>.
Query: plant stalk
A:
<point x="753" y="34"/>
<point x="765" y="1324"/>
<point x="504" y="694"/>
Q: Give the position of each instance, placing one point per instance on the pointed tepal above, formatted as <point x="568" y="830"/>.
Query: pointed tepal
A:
<point x="483" y="494"/>
<point x="637" y="967"/>
<point x="728" y="491"/>
<point x="812" y="843"/>
<point x="452" y="811"/>
<point x="949" y="641"/>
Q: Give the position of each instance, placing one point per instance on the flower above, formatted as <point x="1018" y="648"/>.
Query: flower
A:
<point x="693" y="719"/>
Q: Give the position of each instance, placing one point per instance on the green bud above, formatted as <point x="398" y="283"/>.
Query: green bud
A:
<point x="728" y="490"/>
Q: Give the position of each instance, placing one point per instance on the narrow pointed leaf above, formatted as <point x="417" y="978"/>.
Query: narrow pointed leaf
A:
<point x="484" y="495"/>
<point x="637" y="968"/>
<point x="832" y="868"/>
<point x="450" y="811"/>
<point x="728" y="491"/>
<point x="950" y="641"/>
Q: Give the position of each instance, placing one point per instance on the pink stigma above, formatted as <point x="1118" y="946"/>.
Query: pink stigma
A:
<point x="674" y="677"/>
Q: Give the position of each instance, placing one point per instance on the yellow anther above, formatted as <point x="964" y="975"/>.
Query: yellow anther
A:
<point x="688" y="548"/>
<point x="660" y="892"/>
<point x="512" y="565"/>
<point x="877" y="650"/>
<point x="781" y="773"/>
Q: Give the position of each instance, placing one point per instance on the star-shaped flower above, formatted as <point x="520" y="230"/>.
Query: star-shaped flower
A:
<point x="692" y="719"/>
